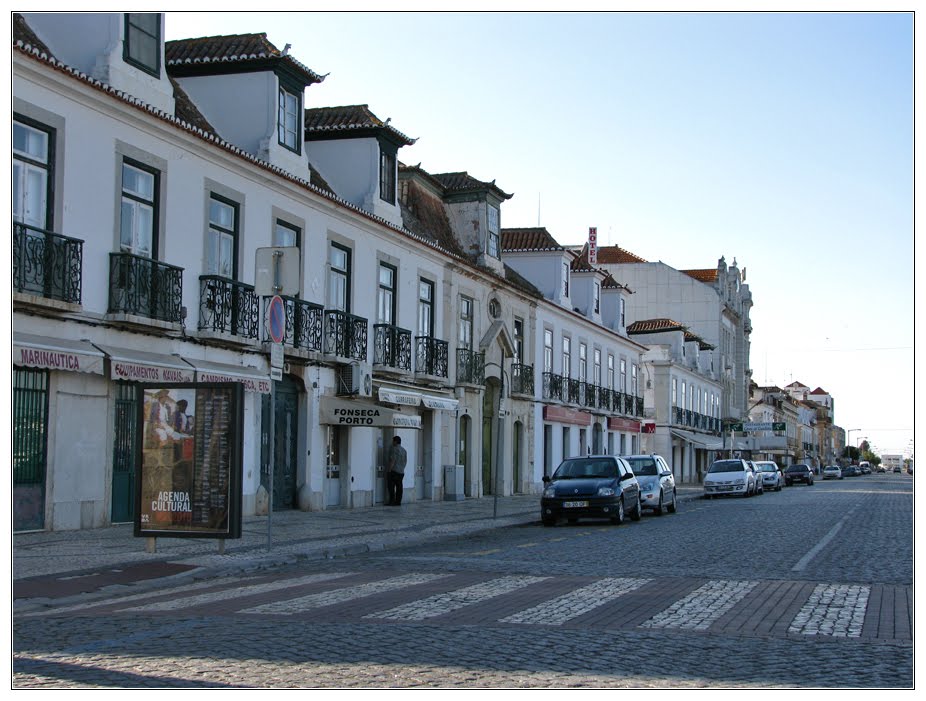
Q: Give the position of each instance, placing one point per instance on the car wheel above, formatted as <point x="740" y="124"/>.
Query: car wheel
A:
<point x="618" y="519"/>
<point x="549" y="522"/>
<point x="660" y="508"/>
<point x="673" y="507"/>
<point x="638" y="512"/>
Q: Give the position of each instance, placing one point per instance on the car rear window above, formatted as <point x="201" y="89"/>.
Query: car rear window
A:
<point x="727" y="466"/>
<point x="797" y="468"/>
<point x="586" y="467"/>
<point x="643" y="466"/>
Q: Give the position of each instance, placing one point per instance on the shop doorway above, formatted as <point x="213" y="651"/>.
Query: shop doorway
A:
<point x="30" y="440"/>
<point x="125" y="445"/>
<point x="285" y="446"/>
<point x="336" y="456"/>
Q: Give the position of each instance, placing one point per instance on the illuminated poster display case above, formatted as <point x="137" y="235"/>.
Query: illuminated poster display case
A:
<point x="189" y="463"/>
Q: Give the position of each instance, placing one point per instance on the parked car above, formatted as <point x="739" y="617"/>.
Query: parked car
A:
<point x="799" y="473"/>
<point x="657" y="483"/>
<point x="851" y="471"/>
<point x="897" y="469"/>
<point x="832" y="472"/>
<point x="771" y="475"/>
<point x="881" y="468"/>
<point x="729" y="477"/>
<point x="865" y="469"/>
<point x="593" y="486"/>
<point x="757" y="476"/>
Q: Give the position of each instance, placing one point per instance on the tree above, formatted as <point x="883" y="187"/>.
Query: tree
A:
<point x="851" y="452"/>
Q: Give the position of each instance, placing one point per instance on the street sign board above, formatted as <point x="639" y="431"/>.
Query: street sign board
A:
<point x="276" y="355"/>
<point x="757" y="426"/>
<point x="276" y="374"/>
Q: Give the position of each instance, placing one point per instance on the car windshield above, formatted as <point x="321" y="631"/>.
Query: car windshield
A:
<point x="642" y="466"/>
<point x="797" y="468"/>
<point x="580" y="468"/>
<point x="727" y="466"/>
<point x="768" y="467"/>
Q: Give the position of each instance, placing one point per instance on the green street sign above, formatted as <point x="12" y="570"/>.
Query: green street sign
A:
<point x="736" y="428"/>
<point x="779" y="426"/>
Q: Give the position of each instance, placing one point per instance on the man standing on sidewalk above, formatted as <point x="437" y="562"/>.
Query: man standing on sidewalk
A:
<point x="395" y="472"/>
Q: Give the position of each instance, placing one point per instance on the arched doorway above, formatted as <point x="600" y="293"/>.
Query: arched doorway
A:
<point x="489" y="433"/>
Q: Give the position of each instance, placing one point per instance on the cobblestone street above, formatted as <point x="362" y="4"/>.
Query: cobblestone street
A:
<point x="525" y="607"/>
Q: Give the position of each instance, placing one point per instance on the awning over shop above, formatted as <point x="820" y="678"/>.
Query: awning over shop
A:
<point x="347" y="412"/>
<point x="141" y="366"/>
<point x="34" y="351"/>
<point x="399" y="396"/>
<point x="701" y="441"/>
<point x="442" y="403"/>
<point x="253" y="379"/>
<point x="409" y="398"/>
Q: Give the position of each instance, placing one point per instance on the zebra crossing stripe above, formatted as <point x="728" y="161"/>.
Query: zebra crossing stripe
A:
<point x="440" y="604"/>
<point x="575" y="603"/>
<point x="837" y="610"/>
<point x="136" y="597"/>
<point x="236" y="592"/>
<point x="339" y="596"/>
<point x="702" y="607"/>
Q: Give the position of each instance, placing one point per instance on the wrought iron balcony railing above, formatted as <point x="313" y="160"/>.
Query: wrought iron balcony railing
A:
<point x="145" y="287"/>
<point x="47" y="264"/>
<point x="392" y="347"/>
<point x="638" y="406"/>
<point x="605" y="398"/>
<point x="432" y="356"/>
<point x="471" y="368"/>
<point x="554" y="386"/>
<point x="522" y="379"/>
<point x="303" y="324"/>
<point x="573" y="391"/>
<point x="589" y="395"/>
<point x="345" y="335"/>
<point x="228" y="306"/>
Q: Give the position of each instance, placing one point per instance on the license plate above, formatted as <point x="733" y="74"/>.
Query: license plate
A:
<point x="574" y="504"/>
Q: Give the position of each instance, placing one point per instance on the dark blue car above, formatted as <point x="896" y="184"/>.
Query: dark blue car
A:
<point x="596" y="486"/>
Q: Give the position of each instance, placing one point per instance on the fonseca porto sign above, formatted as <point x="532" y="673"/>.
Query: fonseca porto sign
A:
<point x="341" y="412"/>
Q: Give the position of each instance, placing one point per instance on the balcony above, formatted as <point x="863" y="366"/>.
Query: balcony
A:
<point x="470" y="367"/>
<point x="432" y="357"/>
<point x="522" y="379"/>
<point x="228" y="307"/>
<point x="392" y="348"/>
<point x="605" y="398"/>
<point x="554" y="387"/>
<point x="345" y="336"/>
<point x="46" y="264"/>
<point x="143" y="287"/>
<point x="303" y="324"/>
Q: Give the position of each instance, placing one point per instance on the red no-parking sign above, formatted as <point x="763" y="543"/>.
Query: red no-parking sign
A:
<point x="276" y="319"/>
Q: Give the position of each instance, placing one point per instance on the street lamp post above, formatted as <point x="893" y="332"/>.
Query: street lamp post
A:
<point x="849" y="441"/>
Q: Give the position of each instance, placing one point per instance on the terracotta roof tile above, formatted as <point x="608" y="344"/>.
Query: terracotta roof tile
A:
<point x="702" y="274"/>
<point x="819" y="390"/>
<point x="616" y="254"/>
<point x="654" y="326"/>
<point x="23" y="32"/>
<point x="337" y="121"/>
<point x="702" y="344"/>
<point x="243" y="51"/>
<point x="529" y="239"/>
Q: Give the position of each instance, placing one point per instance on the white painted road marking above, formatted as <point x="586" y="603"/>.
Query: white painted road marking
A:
<point x="703" y="606"/>
<point x="575" y="603"/>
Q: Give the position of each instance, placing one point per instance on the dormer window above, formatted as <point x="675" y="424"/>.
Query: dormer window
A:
<point x="387" y="176"/>
<point x="565" y="280"/>
<point x="492" y="244"/>
<point x="288" y="120"/>
<point x="143" y="41"/>
<point x="596" y="302"/>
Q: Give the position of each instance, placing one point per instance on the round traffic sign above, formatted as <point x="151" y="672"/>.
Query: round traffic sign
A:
<point x="276" y="319"/>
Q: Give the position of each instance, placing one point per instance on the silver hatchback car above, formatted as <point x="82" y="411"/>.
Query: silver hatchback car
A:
<point x="657" y="483"/>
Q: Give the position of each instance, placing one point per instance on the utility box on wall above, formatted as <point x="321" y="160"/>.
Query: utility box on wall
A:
<point x="453" y="483"/>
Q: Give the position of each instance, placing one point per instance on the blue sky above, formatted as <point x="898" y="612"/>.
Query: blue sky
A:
<point x="783" y="140"/>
